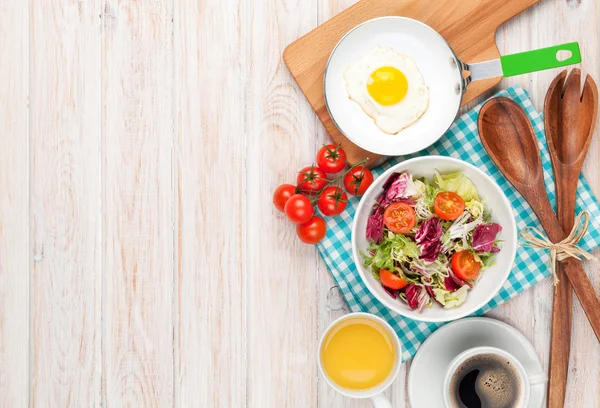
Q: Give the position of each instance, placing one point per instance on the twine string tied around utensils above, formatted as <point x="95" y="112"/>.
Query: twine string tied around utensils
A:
<point x="532" y="237"/>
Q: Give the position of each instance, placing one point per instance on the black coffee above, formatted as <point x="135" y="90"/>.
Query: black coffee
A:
<point x="485" y="381"/>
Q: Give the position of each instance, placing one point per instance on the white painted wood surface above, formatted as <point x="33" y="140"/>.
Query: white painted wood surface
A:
<point x="15" y="249"/>
<point x="141" y="262"/>
<point x="138" y="204"/>
<point x="64" y="205"/>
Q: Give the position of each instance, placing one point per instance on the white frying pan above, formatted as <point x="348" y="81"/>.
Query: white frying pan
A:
<point x="442" y="72"/>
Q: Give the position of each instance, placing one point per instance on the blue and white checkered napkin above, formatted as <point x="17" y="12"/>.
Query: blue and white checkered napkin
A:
<point x="531" y="266"/>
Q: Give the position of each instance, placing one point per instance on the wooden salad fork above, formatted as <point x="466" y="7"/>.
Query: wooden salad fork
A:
<point x="570" y="119"/>
<point x="509" y="138"/>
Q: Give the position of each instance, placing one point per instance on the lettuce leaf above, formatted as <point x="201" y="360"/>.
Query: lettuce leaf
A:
<point x="476" y="208"/>
<point x="487" y="259"/>
<point x="457" y="183"/>
<point x="393" y="247"/>
<point x="424" y="204"/>
<point x="451" y="299"/>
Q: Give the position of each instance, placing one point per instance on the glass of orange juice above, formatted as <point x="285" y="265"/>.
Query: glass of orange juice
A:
<point x="359" y="356"/>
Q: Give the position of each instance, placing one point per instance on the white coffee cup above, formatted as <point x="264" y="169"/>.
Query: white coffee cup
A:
<point x="525" y="380"/>
<point x="378" y="399"/>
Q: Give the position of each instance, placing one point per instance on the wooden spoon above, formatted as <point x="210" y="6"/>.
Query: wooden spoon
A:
<point x="509" y="139"/>
<point x="569" y="119"/>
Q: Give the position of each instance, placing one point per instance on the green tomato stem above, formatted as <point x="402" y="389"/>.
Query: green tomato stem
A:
<point x="330" y="182"/>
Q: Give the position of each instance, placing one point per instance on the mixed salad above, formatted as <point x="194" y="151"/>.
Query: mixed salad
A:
<point x="430" y="240"/>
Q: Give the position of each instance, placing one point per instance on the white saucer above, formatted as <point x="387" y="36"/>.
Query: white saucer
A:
<point x="428" y="368"/>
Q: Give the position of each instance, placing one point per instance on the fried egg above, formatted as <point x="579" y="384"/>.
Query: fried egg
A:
<point x="389" y="88"/>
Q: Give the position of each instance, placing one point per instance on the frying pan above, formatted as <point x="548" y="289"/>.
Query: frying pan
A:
<point x="444" y="73"/>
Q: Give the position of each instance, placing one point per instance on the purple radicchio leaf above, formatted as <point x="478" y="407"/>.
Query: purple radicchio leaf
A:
<point x="428" y="238"/>
<point x="382" y="201"/>
<point x="429" y="290"/>
<point x="375" y="226"/>
<point x="429" y="231"/>
<point x="392" y="292"/>
<point x="417" y="269"/>
<point x="458" y="280"/>
<point x="451" y="284"/>
<point x="484" y="236"/>
<point x="412" y="295"/>
<point x="393" y="190"/>
<point x="398" y="188"/>
<point x="390" y="181"/>
<point x="408" y="200"/>
<point x="430" y="251"/>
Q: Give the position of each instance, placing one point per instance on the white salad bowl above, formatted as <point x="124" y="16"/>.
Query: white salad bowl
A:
<point x="491" y="279"/>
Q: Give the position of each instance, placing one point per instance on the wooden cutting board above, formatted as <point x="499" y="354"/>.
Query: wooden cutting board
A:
<point x="468" y="25"/>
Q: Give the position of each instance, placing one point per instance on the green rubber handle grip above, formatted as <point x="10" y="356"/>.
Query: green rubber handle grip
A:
<point x="539" y="60"/>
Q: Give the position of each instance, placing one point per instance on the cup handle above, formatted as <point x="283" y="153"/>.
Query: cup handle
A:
<point x="380" y="401"/>
<point x="538" y="378"/>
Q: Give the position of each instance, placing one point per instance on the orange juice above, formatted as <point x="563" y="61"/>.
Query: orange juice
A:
<point x="358" y="354"/>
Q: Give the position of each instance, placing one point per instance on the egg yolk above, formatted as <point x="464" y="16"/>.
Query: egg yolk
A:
<point x="387" y="85"/>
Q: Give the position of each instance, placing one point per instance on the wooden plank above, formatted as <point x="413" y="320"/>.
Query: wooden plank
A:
<point x="281" y="276"/>
<point x="65" y="203"/>
<point x="14" y="204"/>
<point x="329" y="296"/>
<point x="210" y="83"/>
<point x="550" y="23"/>
<point x="515" y="36"/>
<point x="138" y="194"/>
<point x="331" y="304"/>
<point x="580" y="21"/>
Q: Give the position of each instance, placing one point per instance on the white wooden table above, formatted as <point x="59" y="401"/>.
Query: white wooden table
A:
<point x="141" y="261"/>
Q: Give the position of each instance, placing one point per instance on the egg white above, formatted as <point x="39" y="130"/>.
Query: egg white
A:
<point x="390" y="119"/>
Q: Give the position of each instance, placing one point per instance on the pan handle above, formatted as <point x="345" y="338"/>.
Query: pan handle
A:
<point x="541" y="59"/>
<point x="523" y="62"/>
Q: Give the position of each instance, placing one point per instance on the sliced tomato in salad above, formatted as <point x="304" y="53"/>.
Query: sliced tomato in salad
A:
<point x="399" y="218"/>
<point x="448" y="205"/>
<point x="389" y="280"/>
<point x="465" y="266"/>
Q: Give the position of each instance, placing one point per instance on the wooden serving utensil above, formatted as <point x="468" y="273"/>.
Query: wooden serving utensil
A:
<point x="509" y="138"/>
<point x="570" y="118"/>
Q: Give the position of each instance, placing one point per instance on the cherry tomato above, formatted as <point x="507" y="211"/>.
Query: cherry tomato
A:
<point x="332" y="201"/>
<point x="357" y="181"/>
<point x="399" y="218"/>
<point x="299" y="209"/>
<point x="313" y="231"/>
<point x="311" y="179"/>
<point x="331" y="158"/>
<point x="464" y="265"/>
<point x="282" y="194"/>
<point x="389" y="280"/>
<point x="448" y="205"/>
